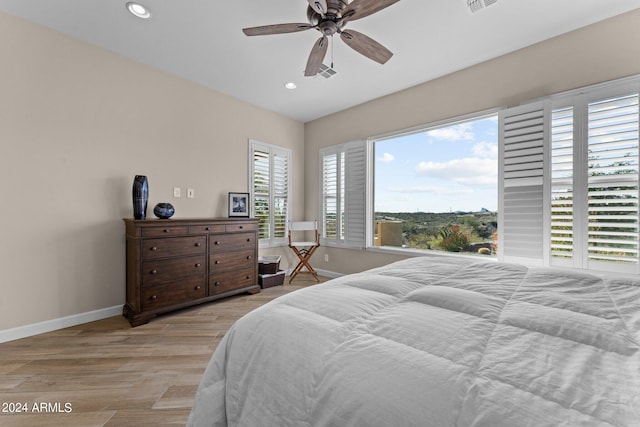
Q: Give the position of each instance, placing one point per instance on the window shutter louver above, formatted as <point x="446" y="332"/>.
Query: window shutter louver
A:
<point x="343" y="194"/>
<point x="522" y="200"/>
<point x="330" y="196"/>
<point x="280" y="201"/>
<point x="261" y="184"/>
<point x="270" y="190"/>
<point x="562" y="198"/>
<point x="355" y="194"/>
<point x="612" y="180"/>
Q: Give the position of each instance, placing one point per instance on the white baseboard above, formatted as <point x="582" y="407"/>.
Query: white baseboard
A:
<point x="326" y="273"/>
<point x="60" y="323"/>
<point x="321" y="272"/>
<point x="90" y="316"/>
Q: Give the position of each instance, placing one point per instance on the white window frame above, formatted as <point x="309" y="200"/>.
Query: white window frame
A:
<point x="271" y="151"/>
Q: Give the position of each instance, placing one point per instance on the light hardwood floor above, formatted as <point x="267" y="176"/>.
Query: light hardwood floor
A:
<point x="106" y="373"/>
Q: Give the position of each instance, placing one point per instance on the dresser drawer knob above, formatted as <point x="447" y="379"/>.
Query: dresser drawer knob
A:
<point x="207" y="229"/>
<point x="216" y="242"/>
<point x="248" y="277"/>
<point x="248" y="240"/>
<point x="166" y="230"/>
<point x="249" y="257"/>
<point x="241" y="227"/>
<point x="198" y="288"/>
<point x="154" y="271"/>
<point x="217" y="262"/>
<point x="153" y="297"/>
<point x="154" y="248"/>
<point x="198" y="264"/>
<point x="216" y="284"/>
<point x="197" y="244"/>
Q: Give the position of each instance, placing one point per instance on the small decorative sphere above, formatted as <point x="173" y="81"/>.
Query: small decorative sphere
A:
<point x="164" y="210"/>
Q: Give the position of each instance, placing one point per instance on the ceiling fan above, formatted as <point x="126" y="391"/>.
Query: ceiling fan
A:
<point x="330" y="17"/>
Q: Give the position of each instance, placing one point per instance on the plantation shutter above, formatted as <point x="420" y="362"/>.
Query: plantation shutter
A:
<point x="523" y="132"/>
<point x="261" y="184"/>
<point x="563" y="230"/>
<point x="355" y="194"/>
<point x="343" y="189"/>
<point x="269" y="180"/>
<point x="612" y="181"/>
<point x="280" y="194"/>
<point x="329" y="195"/>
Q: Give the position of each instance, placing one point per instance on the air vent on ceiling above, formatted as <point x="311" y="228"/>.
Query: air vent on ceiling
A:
<point x="476" y="5"/>
<point x="326" y="72"/>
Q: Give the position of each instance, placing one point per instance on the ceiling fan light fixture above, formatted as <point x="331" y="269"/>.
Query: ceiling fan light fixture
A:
<point x="138" y="10"/>
<point x="290" y="85"/>
<point x="326" y="72"/>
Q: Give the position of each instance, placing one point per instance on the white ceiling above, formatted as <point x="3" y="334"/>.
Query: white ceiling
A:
<point x="202" y="41"/>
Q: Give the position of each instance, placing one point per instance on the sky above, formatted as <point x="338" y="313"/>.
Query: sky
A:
<point x="447" y="169"/>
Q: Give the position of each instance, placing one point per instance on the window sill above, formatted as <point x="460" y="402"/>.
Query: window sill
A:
<point x="424" y="252"/>
<point x="262" y="244"/>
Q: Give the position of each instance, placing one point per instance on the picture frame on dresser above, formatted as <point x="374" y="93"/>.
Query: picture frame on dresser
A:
<point x="238" y="205"/>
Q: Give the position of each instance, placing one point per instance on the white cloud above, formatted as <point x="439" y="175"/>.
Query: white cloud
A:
<point x="386" y="158"/>
<point x="485" y="149"/>
<point x="470" y="171"/>
<point x="431" y="189"/>
<point x="461" y="132"/>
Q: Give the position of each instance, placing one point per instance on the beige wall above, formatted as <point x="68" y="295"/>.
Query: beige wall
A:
<point x="601" y="52"/>
<point x="76" y="124"/>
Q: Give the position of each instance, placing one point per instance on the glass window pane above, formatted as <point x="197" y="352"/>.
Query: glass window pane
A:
<point x="437" y="189"/>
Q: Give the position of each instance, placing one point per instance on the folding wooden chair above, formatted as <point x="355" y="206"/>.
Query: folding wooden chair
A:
<point x="303" y="249"/>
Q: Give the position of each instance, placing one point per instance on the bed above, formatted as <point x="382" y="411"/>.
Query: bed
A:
<point x="433" y="341"/>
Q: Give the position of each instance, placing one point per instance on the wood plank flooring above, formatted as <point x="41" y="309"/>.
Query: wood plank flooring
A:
<point x="106" y="373"/>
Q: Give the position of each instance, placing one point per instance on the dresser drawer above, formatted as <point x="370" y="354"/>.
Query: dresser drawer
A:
<point x="206" y="229"/>
<point x="168" y="231"/>
<point x="230" y="260"/>
<point x="154" y="297"/>
<point x="154" y="272"/>
<point x="177" y="246"/>
<point x="229" y="281"/>
<point x="232" y="228"/>
<point x="231" y="242"/>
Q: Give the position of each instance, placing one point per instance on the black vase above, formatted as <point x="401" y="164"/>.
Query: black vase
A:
<point x="164" y="210"/>
<point x="140" y="195"/>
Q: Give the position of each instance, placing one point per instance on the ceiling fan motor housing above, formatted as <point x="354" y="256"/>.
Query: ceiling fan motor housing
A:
<point x="334" y="12"/>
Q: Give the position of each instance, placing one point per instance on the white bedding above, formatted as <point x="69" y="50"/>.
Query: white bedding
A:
<point x="433" y="342"/>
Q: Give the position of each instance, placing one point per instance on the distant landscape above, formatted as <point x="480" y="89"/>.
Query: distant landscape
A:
<point x="448" y="231"/>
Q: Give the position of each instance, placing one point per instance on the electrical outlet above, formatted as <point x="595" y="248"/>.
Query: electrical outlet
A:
<point x="176" y="191"/>
<point x="326" y="257"/>
<point x="190" y="193"/>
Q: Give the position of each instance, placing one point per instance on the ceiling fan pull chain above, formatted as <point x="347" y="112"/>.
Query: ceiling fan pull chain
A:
<point x="331" y="50"/>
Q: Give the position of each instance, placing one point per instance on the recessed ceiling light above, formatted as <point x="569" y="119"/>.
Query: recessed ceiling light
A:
<point x="290" y="85"/>
<point x="138" y="10"/>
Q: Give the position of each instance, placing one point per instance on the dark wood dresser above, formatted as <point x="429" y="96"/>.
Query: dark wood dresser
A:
<point x="176" y="263"/>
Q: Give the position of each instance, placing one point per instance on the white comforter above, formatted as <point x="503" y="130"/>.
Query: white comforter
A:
<point x="433" y="342"/>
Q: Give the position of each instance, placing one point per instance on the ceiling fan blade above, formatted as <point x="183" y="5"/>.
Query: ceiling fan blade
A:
<point x="275" y="29"/>
<point x="319" y="6"/>
<point x="360" y="8"/>
<point x="316" y="57"/>
<point x="366" y="46"/>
